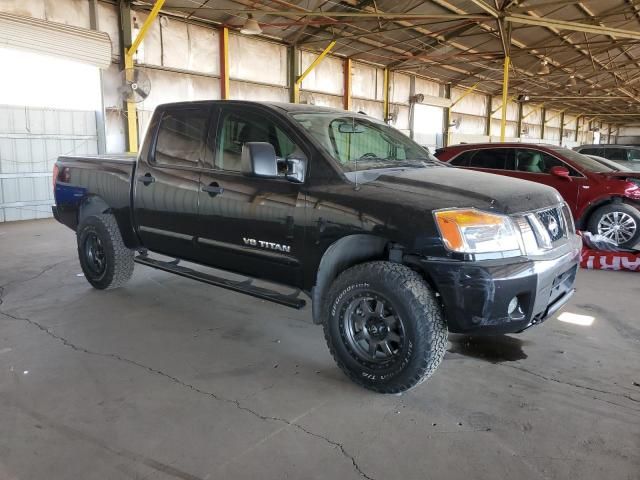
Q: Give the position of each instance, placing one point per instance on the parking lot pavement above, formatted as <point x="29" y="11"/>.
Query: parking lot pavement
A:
<point x="169" y="378"/>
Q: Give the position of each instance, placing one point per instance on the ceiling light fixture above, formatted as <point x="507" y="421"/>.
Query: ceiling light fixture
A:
<point x="544" y="68"/>
<point x="572" y="81"/>
<point x="251" y="26"/>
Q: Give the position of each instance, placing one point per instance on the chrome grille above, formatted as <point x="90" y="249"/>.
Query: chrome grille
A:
<point x="553" y="222"/>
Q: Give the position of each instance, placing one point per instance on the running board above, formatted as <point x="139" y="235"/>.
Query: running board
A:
<point x="245" y="286"/>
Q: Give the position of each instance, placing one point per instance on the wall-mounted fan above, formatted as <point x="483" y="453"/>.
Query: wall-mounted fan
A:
<point x="135" y="85"/>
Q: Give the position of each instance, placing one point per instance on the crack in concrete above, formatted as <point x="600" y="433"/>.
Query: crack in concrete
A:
<point x="182" y="383"/>
<point x="577" y="385"/>
<point x="17" y="282"/>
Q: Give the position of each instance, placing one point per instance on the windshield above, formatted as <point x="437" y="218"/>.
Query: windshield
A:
<point x="360" y="143"/>
<point x="586" y="163"/>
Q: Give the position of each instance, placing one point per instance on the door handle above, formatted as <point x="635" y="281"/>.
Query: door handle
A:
<point x="146" y="179"/>
<point x="213" y="189"/>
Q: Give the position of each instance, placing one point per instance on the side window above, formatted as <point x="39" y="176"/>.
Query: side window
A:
<point x="181" y="136"/>
<point x="235" y="130"/>
<point x="616" y="153"/>
<point x="592" y="151"/>
<point x="495" y="158"/>
<point x="462" y="160"/>
<point x="535" y="161"/>
<point x="634" y="155"/>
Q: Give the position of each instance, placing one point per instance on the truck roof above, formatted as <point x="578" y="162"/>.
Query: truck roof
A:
<point x="283" y="106"/>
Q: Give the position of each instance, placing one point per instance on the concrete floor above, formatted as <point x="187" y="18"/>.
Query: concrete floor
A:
<point x="167" y="378"/>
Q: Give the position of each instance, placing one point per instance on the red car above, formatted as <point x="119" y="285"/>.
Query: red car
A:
<point x="602" y="200"/>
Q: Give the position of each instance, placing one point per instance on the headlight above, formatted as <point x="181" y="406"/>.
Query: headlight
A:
<point x="473" y="231"/>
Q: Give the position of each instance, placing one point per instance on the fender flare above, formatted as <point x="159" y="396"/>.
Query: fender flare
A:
<point x="92" y="205"/>
<point x="340" y="255"/>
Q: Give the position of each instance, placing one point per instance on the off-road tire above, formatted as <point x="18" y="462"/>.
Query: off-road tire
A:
<point x="424" y="327"/>
<point x="594" y="220"/>
<point x="118" y="259"/>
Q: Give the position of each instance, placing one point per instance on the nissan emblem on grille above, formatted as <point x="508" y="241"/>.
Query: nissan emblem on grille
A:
<point x="552" y="221"/>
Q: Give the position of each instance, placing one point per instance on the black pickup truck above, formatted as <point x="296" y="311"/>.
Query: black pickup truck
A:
<point x="393" y="247"/>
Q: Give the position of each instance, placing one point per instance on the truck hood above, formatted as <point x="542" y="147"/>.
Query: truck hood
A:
<point x="443" y="187"/>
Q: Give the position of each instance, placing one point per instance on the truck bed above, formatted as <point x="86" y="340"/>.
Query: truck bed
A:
<point x="104" y="181"/>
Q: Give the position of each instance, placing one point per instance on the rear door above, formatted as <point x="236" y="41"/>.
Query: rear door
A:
<point x="248" y="224"/>
<point x="493" y="160"/>
<point x="167" y="182"/>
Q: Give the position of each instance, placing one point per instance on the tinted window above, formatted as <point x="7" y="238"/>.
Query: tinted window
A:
<point x="592" y="151"/>
<point x="634" y="154"/>
<point x="181" y="136"/>
<point x="535" y="161"/>
<point x="237" y="129"/>
<point x="462" y="160"/>
<point x="496" y="158"/>
<point x="616" y="153"/>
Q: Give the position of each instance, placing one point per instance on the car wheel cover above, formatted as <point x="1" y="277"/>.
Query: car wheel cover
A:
<point x="617" y="226"/>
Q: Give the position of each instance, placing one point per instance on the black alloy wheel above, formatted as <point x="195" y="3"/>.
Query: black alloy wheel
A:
<point x="373" y="331"/>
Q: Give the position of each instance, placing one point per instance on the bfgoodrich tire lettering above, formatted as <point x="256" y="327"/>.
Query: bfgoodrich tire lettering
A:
<point x="399" y="335"/>
<point x="105" y="260"/>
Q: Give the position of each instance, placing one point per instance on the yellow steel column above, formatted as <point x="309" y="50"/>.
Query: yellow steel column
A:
<point x="385" y="95"/>
<point x="132" y="116"/>
<point x="224" y="63"/>
<point x="314" y="64"/>
<point x="505" y="91"/>
<point x="346" y="93"/>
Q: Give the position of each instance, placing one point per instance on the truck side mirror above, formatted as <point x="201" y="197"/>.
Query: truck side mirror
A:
<point x="296" y="169"/>
<point x="258" y="159"/>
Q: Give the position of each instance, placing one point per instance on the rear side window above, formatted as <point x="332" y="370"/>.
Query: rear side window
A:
<point x="462" y="160"/>
<point x="592" y="151"/>
<point x="634" y="155"/>
<point x="616" y="153"/>
<point x="181" y="137"/>
<point x="495" y="158"/>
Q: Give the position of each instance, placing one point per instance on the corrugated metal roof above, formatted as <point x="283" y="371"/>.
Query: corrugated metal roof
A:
<point x="461" y="42"/>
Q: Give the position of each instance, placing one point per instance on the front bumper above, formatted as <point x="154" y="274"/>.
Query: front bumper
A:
<point x="476" y="295"/>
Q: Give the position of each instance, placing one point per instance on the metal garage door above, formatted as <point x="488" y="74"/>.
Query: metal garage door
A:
<point x="58" y="39"/>
<point x="31" y="139"/>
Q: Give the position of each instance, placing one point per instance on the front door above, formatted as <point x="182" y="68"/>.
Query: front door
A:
<point x="535" y="165"/>
<point x="167" y="182"/>
<point x="248" y="224"/>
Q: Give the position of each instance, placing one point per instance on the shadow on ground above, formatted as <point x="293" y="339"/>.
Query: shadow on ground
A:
<point x="493" y="349"/>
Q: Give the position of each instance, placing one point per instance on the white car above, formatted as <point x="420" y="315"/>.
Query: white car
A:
<point x="610" y="163"/>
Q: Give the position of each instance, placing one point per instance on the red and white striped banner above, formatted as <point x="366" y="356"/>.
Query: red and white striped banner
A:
<point x="601" y="260"/>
